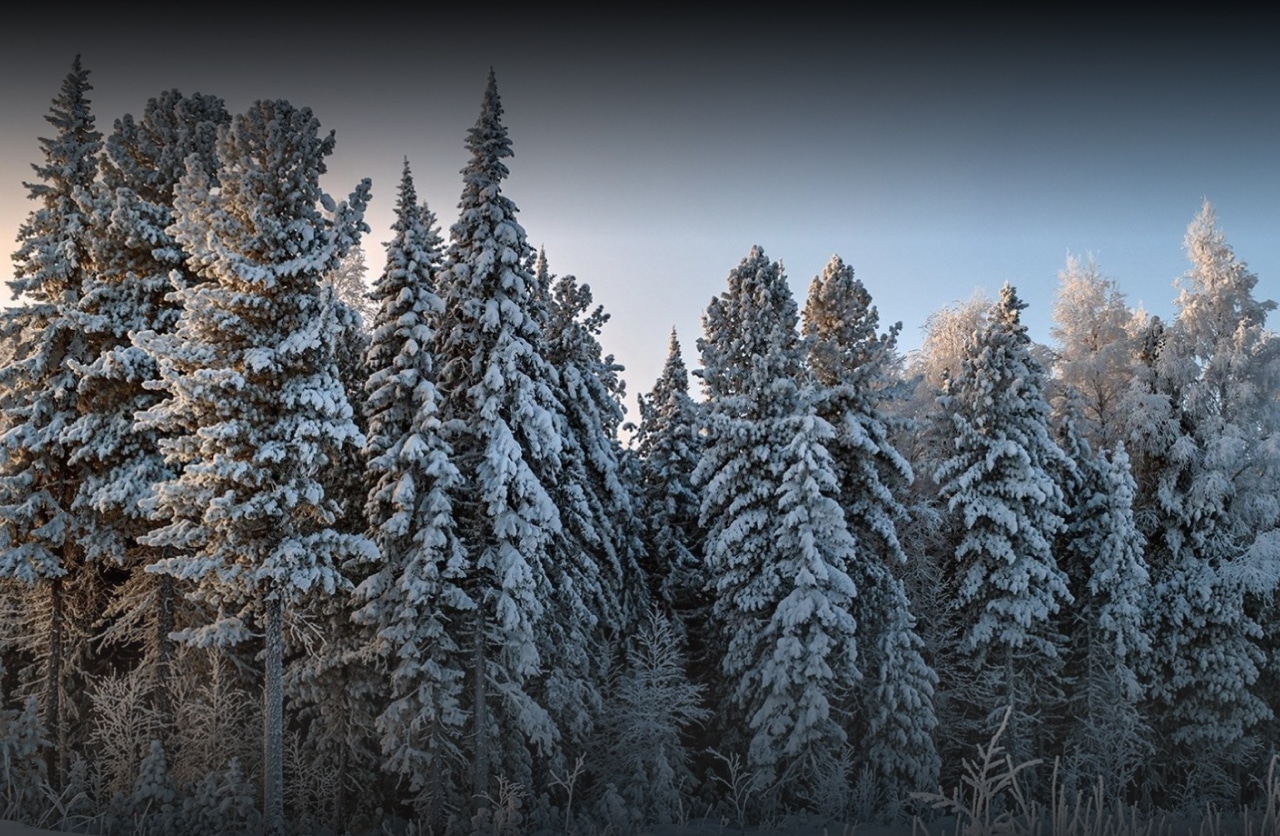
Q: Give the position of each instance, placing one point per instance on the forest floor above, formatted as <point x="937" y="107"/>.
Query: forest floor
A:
<point x="1210" y="825"/>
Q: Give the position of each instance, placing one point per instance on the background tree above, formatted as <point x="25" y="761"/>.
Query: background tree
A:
<point x="1105" y="734"/>
<point x="414" y="599"/>
<point x="42" y="535"/>
<point x="1093" y="350"/>
<point x="668" y="443"/>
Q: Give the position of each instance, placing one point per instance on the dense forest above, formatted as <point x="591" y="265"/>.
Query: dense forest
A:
<point x="285" y="551"/>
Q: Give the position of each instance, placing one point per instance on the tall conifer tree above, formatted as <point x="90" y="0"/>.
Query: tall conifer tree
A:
<point x="779" y="553"/>
<point x="599" y="547"/>
<point x="255" y="410"/>
<point x="1006" y="505"/>
<point x="414" y="600"/>
<point x="852" y="365"/>
<point x="501" y="418"/>
<point x="42" y="536"/>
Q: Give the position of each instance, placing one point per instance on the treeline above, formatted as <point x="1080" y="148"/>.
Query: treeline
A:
<point x="278" y="553"/>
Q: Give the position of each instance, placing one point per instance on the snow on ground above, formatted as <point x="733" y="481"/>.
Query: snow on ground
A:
<point x="9" y="828"/>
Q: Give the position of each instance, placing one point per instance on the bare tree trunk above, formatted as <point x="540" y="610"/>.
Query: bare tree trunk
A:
<point x="273" y="720"/>
<point x="434" y="808"/>
<point x="480" y="775"/>
<point x="164" y="651"/>
<point x="53" y="684"/>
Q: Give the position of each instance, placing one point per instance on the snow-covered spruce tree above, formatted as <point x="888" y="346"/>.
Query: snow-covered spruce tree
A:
<point x="778" y="550"/>
<point x="851" y="363"/>
<point x="134" y="255"/>
<point x="595" y="494"/>
<point x="923" y="434"/>
<point x="1006" y="506"/>
<point x="1104" y="734"/>
<point x="42" y="535"/>
<point x="598" y="546"/>
<point x="414" y="601"/>
<point x="1201" y="433"/>
<point x="501" y="418"/>
<point x="669" y="444"/>
<point x="254" y="411"/>
<point x="597" y="506"/>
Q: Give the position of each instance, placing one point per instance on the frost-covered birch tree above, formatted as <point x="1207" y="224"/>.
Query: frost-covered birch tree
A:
<point x="1201" y="425"/>
<point x="1093" y="335"/>
<point x="254" y="411"/>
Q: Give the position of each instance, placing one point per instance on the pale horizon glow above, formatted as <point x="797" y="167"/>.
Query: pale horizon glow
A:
<point x="938" y="162"/>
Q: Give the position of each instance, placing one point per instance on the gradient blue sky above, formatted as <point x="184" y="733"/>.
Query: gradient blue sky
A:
<point x="938" y="157"/>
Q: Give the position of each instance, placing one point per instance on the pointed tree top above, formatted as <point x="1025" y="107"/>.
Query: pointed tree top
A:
<point x="1008" y="309"/>
<point x="408" y="195"/>
<point x="673" y="370"/>
<point x="488" y="143"/>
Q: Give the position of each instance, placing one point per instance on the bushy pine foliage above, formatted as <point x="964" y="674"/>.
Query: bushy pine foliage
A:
<point x="254" y="410"/>
<point x="778" y="549"/>
<point x="410" y="602"/>
<point x="1006" y="507"/>
<point x="852" y="364"/>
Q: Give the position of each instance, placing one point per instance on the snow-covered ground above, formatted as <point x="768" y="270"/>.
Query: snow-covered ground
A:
<point x="9" y="828"/>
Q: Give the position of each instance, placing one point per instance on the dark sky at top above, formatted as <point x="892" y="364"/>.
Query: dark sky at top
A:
<point x="938" y="157"/>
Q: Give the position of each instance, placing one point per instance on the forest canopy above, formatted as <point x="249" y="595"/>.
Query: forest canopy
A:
<point x="289" y="548"/>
